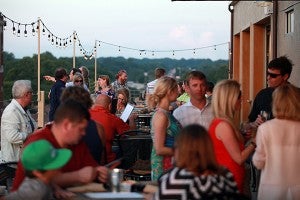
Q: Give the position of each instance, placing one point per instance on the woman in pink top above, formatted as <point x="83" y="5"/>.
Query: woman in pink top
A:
<point x="278" y="144"/>
<point x="228" y="142"/>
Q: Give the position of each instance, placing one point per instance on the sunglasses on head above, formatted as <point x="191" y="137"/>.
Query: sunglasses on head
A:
<point x="272" y="75"/>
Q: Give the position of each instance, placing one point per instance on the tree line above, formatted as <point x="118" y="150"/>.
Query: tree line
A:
<point x="139" y="70"/>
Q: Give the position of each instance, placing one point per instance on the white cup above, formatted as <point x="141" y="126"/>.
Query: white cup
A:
<point x="115" y="179"/>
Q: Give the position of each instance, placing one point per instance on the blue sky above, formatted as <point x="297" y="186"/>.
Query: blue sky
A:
<point x="158" y="25"/>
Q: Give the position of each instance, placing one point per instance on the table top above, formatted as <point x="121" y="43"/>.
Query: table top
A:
<point x="97" y="191"/>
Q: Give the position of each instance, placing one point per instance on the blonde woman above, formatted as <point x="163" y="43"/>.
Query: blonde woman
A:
<point x="278" y="142"/>
<point x="228" y="142"/>
<point x="164" y="127"/>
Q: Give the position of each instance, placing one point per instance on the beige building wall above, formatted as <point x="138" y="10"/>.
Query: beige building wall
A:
<point x="289" y="44"/>
<point x="253" y="45"/>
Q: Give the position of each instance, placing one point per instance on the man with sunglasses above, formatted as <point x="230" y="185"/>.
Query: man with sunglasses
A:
<point x="278" y="73"/>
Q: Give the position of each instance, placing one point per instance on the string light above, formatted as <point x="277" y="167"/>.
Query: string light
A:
<point x="25" y="31"/>
<point x="88" y="54"/>
<point x="44" y="32"/>
<point x="33" y="30"/>
<point x="14" y="28"/>
<point x="19" y="31"/>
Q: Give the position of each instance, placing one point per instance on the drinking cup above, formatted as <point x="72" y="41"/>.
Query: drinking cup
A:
<point x="115" y="179"/>
<point x="264" y="115"/>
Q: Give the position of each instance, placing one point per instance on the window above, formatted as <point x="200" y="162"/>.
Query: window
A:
<point x="290" y="18"/>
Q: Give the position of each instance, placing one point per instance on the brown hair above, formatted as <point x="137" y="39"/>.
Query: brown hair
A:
<point x="120" y="73"/>
<point x="285" y="103"/>
<point x="195" y="75"/>
<point x="194" y="150"/>
<point x="79" y="94"/>
<point x="125" y="93"/>
<point x="106" y="78"/>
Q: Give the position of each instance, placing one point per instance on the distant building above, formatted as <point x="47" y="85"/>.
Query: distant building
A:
<point x="261" y="31"/>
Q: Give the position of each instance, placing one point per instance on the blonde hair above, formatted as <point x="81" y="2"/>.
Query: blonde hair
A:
<point x="285" y="103"/>
<point x="194" y="150"/>
<point x="78" y="76"/>
<point x="162" y="87"/>
<point x="225" y="95"/>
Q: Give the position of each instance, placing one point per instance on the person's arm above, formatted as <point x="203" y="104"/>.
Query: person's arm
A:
<point x="49" y="78"/>
<point x="82" y="176"/>
<point x="160" y="124"/>
<point x="226" y="134"/>
<point x="259" y="157"/>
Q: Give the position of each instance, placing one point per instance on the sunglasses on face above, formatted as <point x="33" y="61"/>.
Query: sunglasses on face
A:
<point x="272" y="75"/>
<point x="77" y="81"/>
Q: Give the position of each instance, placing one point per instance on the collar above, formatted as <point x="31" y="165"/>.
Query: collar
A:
<point x="18" y="105"/>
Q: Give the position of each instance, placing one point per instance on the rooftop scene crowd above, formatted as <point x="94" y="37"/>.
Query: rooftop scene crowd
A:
<point x="199" y="149"/>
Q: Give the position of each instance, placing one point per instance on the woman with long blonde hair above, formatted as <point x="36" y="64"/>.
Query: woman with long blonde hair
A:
<point x="228" y="142"/>
<point x="164" y="127"/>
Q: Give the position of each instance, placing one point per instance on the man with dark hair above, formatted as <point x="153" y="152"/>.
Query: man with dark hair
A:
<point x="197" y="110"/>
<point x="278" y="73"/>
<point x="70" y="121"/>
<point x="158" y="72"/>
<point x="61" y="77"/>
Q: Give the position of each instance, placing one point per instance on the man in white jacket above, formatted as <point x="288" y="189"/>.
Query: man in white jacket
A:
<point x="16" y="121"/>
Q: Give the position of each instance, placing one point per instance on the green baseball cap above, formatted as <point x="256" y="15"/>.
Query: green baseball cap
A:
<point x="41" y="155"/>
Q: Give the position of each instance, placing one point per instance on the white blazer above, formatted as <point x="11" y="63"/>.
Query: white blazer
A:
<point x="15" y="128"/>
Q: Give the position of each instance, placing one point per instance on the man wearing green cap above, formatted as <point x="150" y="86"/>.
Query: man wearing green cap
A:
<point x="41" y="162"/>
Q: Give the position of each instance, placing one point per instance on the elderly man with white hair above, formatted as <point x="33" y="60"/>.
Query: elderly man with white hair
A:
<point x="16" y="121"/>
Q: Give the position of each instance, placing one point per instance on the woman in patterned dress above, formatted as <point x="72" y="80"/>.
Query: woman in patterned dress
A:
<point x="164" y="127"/>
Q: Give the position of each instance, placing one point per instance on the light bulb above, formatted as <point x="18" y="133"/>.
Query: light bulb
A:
<point x="14" y="29"/>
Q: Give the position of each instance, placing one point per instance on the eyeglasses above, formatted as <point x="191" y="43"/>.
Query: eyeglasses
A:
<point x="76" y="81"/>
<point x="272" y="75"/>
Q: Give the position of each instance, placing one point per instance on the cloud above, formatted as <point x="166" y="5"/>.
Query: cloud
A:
<point x="184" y="36"/>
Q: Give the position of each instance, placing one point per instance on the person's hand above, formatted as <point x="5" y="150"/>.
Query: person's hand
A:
<point x="49" y="78"/>
<point x="133" y="116"/>
<point x="87" y="174"/>
<point x="259" y="120"/>
<point x="60" y="193"/>
<point x="102" y="174"/>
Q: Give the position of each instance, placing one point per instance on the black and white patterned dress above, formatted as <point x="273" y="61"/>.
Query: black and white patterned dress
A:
<point x="182" y="184"/>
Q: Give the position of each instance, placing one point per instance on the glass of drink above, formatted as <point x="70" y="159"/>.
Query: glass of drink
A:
<point x="264" y="115"/>
<point x="115" y="179"/>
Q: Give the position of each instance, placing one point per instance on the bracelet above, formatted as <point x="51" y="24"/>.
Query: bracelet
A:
<point x="253" y="144"/>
